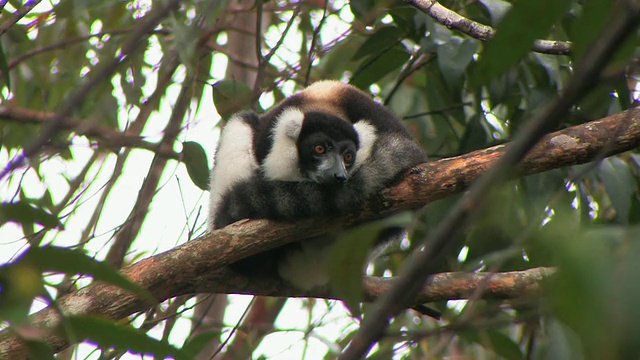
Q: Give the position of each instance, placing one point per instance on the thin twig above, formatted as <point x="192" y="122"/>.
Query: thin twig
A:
<point x="314" y="40"/>
<point x="263" y="61"/>
<point x="19" y="14"/>
<point x="418" y="62"/>
<point x="437" y="111"/>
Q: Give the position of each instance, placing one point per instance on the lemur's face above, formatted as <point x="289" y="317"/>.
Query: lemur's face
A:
<point x="327" y="147"/>
<point x="326" y="160"/>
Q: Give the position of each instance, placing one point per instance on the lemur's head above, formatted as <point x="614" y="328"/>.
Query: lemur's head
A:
<point x="327" y="147"/>
<point x="322" y="134"/>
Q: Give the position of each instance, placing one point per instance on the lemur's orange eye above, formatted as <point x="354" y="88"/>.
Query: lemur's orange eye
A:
<point x="348" y="157"/>
<point x="319" y="149"/>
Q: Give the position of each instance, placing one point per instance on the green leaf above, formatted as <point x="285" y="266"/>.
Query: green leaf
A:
<point x="371" y="46"/>
<point x="620" y="185"/>
<point x="454" y="57"/>
<point x="194" y="345"/>
<point x="24" y="213"/>
<point x="377" y="67"/>
<point x="552" y="66"/>
<point x="362" y="9"/>
<point x="333" y="64"/>
<point x="525" y="22"/>
<point x="187" y="36"/>
<point x="123" y="337"/>
<point x="588" y="25"/>
<point x="20" y="283"/>
<point x="494" y="340"/>
<point x="4" y="67"/>
<point x="195" y="159"/>
<point x="410" y="20"/>
<point x="39" y="350"/>
<point x="230" y="96"/>
<point x="496" y="8"/>
<point x="475" y="135"/>
<point x="70" y="261"/>
<point x="348" y="256"/>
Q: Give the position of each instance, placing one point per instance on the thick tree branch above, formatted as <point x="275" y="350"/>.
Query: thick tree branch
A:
<point x="452" y="19"/>
<point x="112" y="302"/>
<point x="197" y="266"/>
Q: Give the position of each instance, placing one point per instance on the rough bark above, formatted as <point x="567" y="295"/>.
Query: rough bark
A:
<point x="199" y="265"/>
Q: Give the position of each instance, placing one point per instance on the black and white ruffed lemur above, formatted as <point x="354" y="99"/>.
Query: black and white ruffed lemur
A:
<point x="320" y="152"/>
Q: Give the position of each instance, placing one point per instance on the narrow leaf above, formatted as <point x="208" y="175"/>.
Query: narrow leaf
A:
<point x="4" y="67"/>
<point x="349" y="254"/>
<point x="69" y="261"/>
<point x="194" y="345"/>
<point x="588" y="25"/>
<point x="24" y="213"/>
<point x="109" y="334"/>
<point x="39" y="350"/>
<point x="20" y="283"/>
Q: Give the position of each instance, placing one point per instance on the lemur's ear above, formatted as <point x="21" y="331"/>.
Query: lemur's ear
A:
<point x="291" y="121"/>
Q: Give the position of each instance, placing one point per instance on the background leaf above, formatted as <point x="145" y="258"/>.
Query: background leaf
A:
<point x="230" y="96"/>
<point x="108" y="334"/>
<point x="523" y="23"/>
<point x="69" y="261"/>
<point x="195" y="159"/>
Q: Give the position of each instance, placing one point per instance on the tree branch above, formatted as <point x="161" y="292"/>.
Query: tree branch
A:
<point x="452" y="19"/>
<point x="104" y="135"/>
<point x="17" y="15"/>
<point x="198" y="265"/>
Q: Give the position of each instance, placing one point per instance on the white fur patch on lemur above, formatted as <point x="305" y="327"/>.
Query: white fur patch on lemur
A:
<point x="367" y="135"/>
<point x="282" y="161"/>
<point x="234" y="161"/>
<point x="307" y="267"/>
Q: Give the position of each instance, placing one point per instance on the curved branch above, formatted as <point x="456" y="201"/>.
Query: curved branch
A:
<point x="198" y="265"/>
<point x="452" y="19"/>
<point x="105" y="136"/>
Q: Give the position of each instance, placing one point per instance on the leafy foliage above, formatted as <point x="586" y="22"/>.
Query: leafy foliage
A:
<point x="107" y="182"/>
